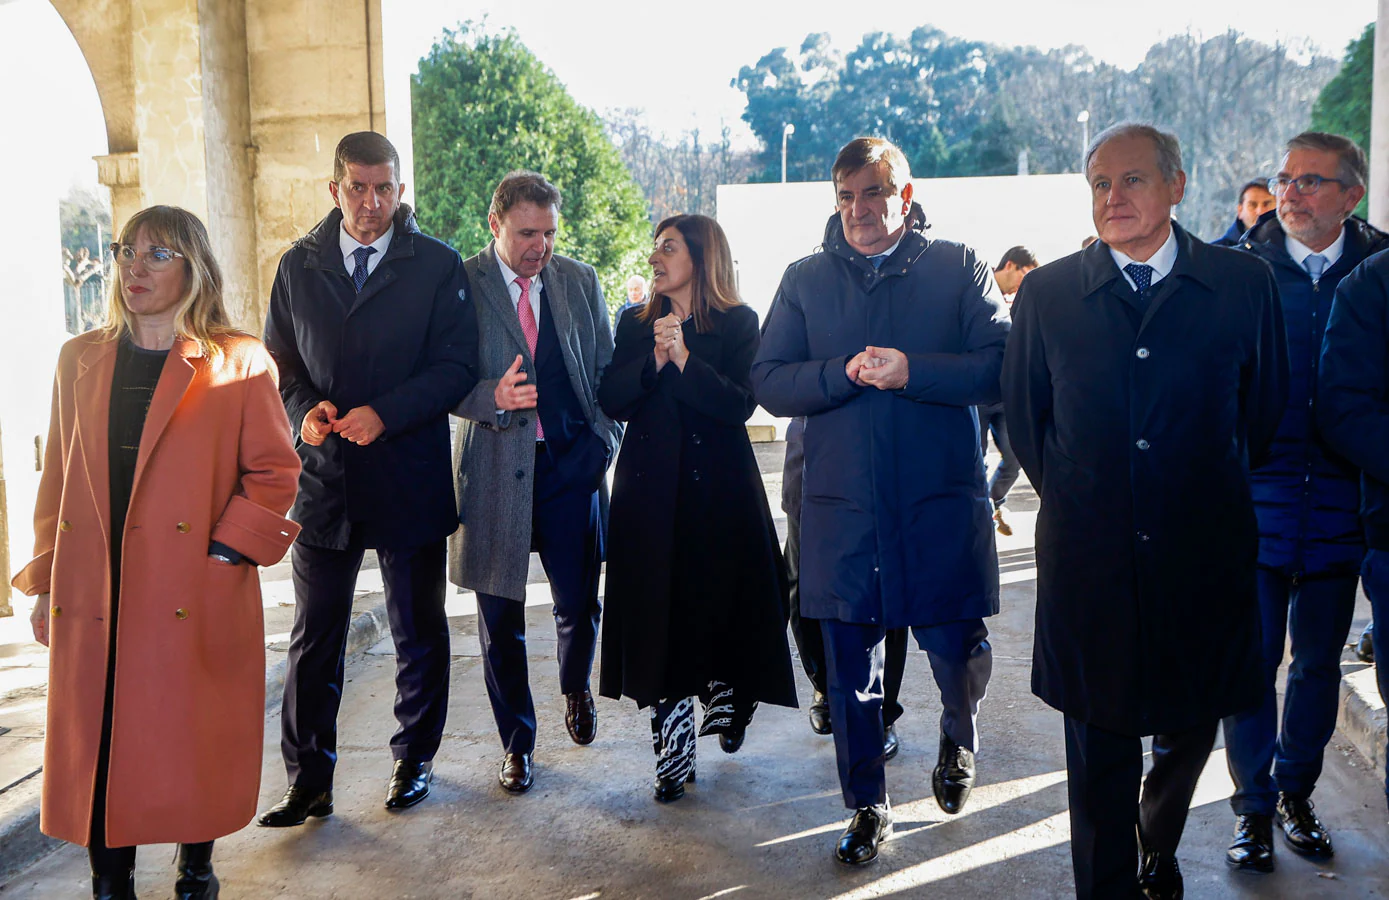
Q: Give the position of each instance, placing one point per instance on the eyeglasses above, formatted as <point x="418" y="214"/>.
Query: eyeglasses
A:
<point x="1305" y="184"/>
<point x="156" y="259"/>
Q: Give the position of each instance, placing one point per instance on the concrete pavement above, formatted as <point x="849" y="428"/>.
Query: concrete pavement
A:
<point x="760" y="823"/>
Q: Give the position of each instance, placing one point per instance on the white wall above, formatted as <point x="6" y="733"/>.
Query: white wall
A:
<point x="53" y="128"/>
<point x="770" y="226"/>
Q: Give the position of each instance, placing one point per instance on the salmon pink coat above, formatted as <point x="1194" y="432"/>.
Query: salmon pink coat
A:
<point x="216" y="463"/>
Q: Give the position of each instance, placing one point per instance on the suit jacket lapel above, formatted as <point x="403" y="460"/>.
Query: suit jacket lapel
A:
<point x="556" y="293"/>
<point x="178" y="372"/>
<point x="495" y="291"/>
<point x="92" y="401"/>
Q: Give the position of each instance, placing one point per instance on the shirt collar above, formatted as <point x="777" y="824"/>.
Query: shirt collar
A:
<point x="509" y="277"/>
<point x="890" y="250"/>
<point x="349" y="243"/>
<point x="1161" y="262"/>
<point x="1300" y="251"/>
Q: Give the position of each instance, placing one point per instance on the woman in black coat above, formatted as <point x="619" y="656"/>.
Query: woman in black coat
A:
<point x="696" y="586"/>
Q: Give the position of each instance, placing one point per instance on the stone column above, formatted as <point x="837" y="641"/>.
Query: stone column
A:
<point x="120" y="173"/>
<point x="167" y="62"/>
<point x="1379" y="124"/>
<point x="231" y="199"/>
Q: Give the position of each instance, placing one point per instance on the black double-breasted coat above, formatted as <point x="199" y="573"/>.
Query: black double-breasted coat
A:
<point x="696" y="586"/>
<point x="1138" y="429"/>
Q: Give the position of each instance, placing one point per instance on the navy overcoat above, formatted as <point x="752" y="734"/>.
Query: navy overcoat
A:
<point x="895" y="520"/>
<point x="1138" y="431"/>
<point x="407" y="347"/>
<point x="1307" y="496"/>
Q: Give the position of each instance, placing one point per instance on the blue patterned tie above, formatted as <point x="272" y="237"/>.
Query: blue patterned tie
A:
<point x="877" y="261"/>
<point x="1142" y="275"/>
<point x="359" y="274"/>
<point x="1315" y="265"/>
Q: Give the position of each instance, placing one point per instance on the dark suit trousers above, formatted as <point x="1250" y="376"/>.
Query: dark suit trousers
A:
<point x="564" y="531"/>
<point x="1104" y="771"/>
<point x="1263" y="758"/>
<point x="324" y="581"/>
<point x="961" y="661"/>
<point x="810" y="642"/>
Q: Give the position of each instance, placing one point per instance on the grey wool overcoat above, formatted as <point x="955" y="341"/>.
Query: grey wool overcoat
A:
<point x="494" y="453"/>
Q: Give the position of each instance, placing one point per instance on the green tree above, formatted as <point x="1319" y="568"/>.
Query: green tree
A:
<point x="1343" y="107"/>
<point x="483" y="105"/>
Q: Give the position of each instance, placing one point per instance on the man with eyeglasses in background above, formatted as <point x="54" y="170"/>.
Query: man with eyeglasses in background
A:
<point x="1307" y="501"/>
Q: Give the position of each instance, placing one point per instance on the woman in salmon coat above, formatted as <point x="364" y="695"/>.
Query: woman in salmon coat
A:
<point x="167" y="475"/>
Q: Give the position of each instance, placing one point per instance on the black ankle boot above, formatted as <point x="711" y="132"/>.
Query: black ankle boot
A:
<point x="114" y="887"/>
<point x="195" y="878"/>
<point x="113" y="872"/>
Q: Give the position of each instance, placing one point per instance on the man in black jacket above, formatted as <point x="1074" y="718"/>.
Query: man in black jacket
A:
<point x="1307" y="500"/>
<point x="1144" y="377"/>
<point x="1254" y="200"/>
<point x="1353" y="415"/>
<point x="374" y="333"/>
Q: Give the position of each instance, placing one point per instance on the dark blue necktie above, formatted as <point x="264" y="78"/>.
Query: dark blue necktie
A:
<point x="1142" y="275"/>
<point x="359" y="274"/>
<point x="877" y="261"/>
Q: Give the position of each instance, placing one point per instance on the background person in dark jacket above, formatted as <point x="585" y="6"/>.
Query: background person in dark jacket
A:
<point x="696" y="589"/>
<point x="884" y="341"/>
<point x="1144" y="376"/>
<point x="1307" y="500"/>
<point x="810" y="641"/>
<point x="1254" y="200"/>
<point x="1353" y="415"/>
<point x="1009" y="273"/>
<point x="371" y="325"/>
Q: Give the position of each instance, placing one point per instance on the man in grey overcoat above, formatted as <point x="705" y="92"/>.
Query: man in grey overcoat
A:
<point x="530" y="459"/>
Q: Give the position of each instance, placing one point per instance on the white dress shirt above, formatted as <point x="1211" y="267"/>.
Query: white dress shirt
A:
<point x="349" y="244"/>
<point x="515" y="290"/>
<point x="1161" y="262"/>
<point x="1300" y="251"/>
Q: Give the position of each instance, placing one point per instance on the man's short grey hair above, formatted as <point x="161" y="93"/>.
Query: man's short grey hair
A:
<point x="1169" y="152"/>
<point x="1353" y="169"/>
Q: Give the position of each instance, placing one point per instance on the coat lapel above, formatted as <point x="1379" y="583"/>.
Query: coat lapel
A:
<point x="495" y="291"/>
<point x="92" y="401"/>
<point x="556" y="292"/>
<point x="178" y="372"/>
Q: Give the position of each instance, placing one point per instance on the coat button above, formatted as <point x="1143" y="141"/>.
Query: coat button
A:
<point x="1142" y="353"/>
<point x="180" y="613"/>
<point x="522" y="423"/>
<point x="1143" y="536"/>
<point x="697" y="439"/>
<point x="57" y="611"/>
<point x="1142" y="444"/>
<point x="520" y="473"/>
<point x="65" y="525"/>
<point x="695" y="476"/>
<point x="183" y="527"/>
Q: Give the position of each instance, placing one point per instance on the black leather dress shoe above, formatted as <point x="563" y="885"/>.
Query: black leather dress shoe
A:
<point x="409" y="783"/>
<point x="517" y="775"/>
<point x="195" y="878"/>
<point x="1303" y="830"/>
<point x="820" y="714"/>
<point x="114" y="887"/>
<point x="1364" y="646"/>
<point x="581" y="717"/>
<point x="1252" y="847"/>
<point x="668" y="790"/>
<point x="1159" y="876"/>
<point x="297" y="805"/>
<point x="953" y="777"/>
<point x="858" y="845"/>
<point x="890" y="742"/>
<point x="732" y="741"/>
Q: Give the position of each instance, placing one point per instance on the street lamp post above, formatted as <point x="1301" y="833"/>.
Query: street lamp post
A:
<point x="786" y="131"/>
<point x="1084" y="120"/>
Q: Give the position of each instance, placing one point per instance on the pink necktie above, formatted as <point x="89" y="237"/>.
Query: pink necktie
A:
<point x="532" y="333"/>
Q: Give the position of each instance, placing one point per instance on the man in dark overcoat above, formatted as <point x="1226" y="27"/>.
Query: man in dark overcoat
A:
<point x="1144" y="378"/>
<point x="1353" y="415"/>
<point x="1307" y="498"/>
<point x="533" y="448"/>
<point x="885" y="341"/>
<point x="372" y="328"/>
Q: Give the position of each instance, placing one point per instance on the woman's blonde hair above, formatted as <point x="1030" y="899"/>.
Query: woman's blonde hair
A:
<point x="715" y="285"/>
<point x="201" y="315"/>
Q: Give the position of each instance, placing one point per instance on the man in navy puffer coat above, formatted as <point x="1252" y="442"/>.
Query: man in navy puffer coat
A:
<point x="1307" y="501"/>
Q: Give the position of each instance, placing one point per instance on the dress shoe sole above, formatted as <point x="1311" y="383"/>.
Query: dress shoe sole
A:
<point x="849" y="864"/>
<point x="892" y="754"/>
<point x="670" y="796"/>
<point x="1256" y="868"/>
<point x="318" y="812"/>
<point x="1309" y="853"/>
<point x="828" y="729"/>
<point x="581" y="741"/>
<point x="396" y="804"/>
<point x="517" y="788"/>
